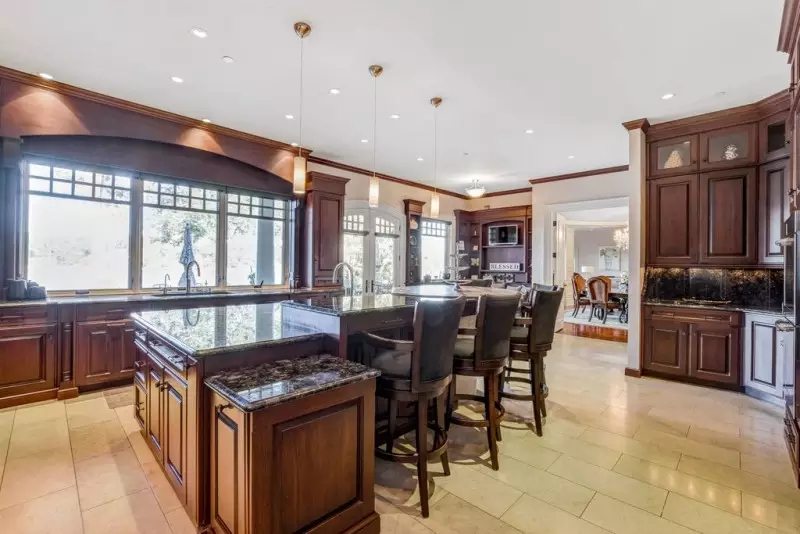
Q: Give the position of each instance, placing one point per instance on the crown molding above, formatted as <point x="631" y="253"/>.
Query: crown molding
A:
<point x="126" y="105"/>
<point x="638" y="124"/>
<point x="777" y="103"/>
<point x="582" y="174"/>
<point x="789" y="27"/>
<point x="502" y="193"/>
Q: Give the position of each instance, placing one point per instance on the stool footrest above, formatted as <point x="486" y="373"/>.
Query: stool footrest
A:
<point x="459" y="420"/>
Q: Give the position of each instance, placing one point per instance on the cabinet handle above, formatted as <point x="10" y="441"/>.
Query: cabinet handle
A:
<point x="222" y="407"/>
<point x="117" y="323"/>
<point x="4" y="317"/>
<point x="158" y="384"/>
<point x="138" y="364"/>
<point x="705" y="160"/>
<point x="164" y="386"/>
<point x="116" y="310"/>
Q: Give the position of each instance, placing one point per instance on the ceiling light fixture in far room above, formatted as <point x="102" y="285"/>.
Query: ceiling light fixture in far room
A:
<point x="420" y="158"/>
<point x="622" y="237"/>
<point x="300" y="163"/>
<point x="528" y="131"/>
<point x="374" y="183"/>
<point x="45" y="76"/>
<point x="570" y="157"/>
<point x="290" y="117"/>
<point x="667" y="96"/>
<point x="207" y="121"/>
<point x="227" y="59"/>
<point x="365" y="141"/>
<point x="394" y="116"/>
<point x="334" y="91"/>
<point x="435" y="102"/>
<point x="177" y="79"/>
<point x="476" y="190"/>
<point x="199" y="32"/>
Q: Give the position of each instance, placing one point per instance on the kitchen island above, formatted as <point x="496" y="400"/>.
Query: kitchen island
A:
<point x="176" y="350"/>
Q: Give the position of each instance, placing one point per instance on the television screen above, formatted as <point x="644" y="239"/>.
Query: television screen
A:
<point x="503" y="235"/>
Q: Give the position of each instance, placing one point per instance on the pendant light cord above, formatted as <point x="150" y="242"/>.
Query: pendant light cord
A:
<point x="435" y="170"/>
<point x="374" y="123"/>
<point x="300" y="143"/>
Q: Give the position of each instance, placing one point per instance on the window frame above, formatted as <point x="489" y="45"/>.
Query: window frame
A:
<point x="448" y="233"/>
<point x="137" y="205"/>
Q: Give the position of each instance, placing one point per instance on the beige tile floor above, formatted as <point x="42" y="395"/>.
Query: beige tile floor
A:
<point x="619" y="455"/>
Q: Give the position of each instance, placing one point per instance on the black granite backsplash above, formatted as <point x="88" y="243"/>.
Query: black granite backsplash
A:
<point x="746" y="287"/>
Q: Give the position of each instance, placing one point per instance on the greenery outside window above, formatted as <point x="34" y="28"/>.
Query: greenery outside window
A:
<point x="435" y="247"/>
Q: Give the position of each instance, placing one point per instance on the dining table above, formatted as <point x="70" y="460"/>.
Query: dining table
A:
<point x="622" y="296"/>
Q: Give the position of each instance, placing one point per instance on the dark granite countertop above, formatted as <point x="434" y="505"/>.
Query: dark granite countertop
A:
<point x="343" y="305"/>
<point x="725" y="307"/>
<point x="202" y="332"/>
<point x="156" y="296"/>
<point x="268" y="384"/>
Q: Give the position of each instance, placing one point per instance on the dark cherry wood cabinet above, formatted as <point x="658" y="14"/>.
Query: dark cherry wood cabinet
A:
<point x="773" y="209"/>
<point x="27" y="361"/>
<point x="154" y="406"/>
<point x="174" y="421"/>
<point x="672" y="234"/>
<point x="673" y="156"/>
<point x="727" y="212"/>
<point x="323" y="228"/>
<point x="665" y="347"/>
<point x="698" y="344"/>
<point x="773" y="137"/>
<point x="729" y="147"/>
<point x="105" y="352"/>
<point x="140" y="397"/>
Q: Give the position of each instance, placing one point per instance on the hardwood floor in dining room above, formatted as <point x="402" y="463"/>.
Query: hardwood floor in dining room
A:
<point x="619" y="455"/>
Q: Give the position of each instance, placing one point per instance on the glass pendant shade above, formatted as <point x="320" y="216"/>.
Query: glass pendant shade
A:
<point x="299" y="175"/>
<point x="374" y="191"/>
<point x="435" y="205"/>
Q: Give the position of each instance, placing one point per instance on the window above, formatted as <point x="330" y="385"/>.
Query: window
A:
<point x="78" y="227"/>
<point x="179" y="223"/>
<point x="435" y="245"/>
<point x="98" y="228"/>
<point x="256" y="240"/>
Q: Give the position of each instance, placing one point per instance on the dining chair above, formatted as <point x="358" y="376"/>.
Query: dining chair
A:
<point x="531" y="339"/>
<point x="418" y="372"/>
<point x="483" y="354"/>
<point x="599" y="291"/>
<point x="579" y="298"/>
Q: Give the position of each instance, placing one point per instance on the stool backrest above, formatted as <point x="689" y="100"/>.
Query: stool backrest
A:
<point x="545" y="308"/>
<point x="494" y="323"/>
<point x="435" y="331"/>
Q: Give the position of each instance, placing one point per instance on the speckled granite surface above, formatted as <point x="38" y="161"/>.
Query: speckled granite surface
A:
<point x="342" y="305"/>
<point x="727" y="307"/>
<point x="268" y="384"/>
<point x="203" y="332"/>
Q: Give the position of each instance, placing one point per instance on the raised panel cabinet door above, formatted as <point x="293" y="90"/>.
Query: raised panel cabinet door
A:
<point x="673" y="156"/>
<point x="27" y="359"/>
<point x="762" y="355"/>
<point x="175" y="432"/>
<point x="154" y="431"/>
<point x="773" y="209"/>
<point x="672" y="229"/>
<point x="665" y="347"/>
<point x="327" y="250"/>
<point x="714" y="352"/>
<point x="139" y="402"/>
<point x="728" y="217"/>
<point x="94" y="348"/>
<point x="729" y="147"/>
<point x="229" y="485"/>
<point x="126" y="350"/>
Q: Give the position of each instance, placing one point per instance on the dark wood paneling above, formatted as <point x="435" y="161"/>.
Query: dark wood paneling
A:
<point x="126" y="357"/>
<point x="323" y="232"/>
<point x="773" y="200"/>
<point x="140" y="402"/>
<point x="175" y="432"/>
<point x="665" y="347"/>
<point x="27" y="359"/>
<point x="228" y="482"/>
<point x="154" y="430"/>
<point x="714" y="353"/>
<point x="772" y="145"/>
<point x="672" y="236"/>
<point x="727" y="208"/>
<point x="94" y="348"/>
<point x="596" y="332"/>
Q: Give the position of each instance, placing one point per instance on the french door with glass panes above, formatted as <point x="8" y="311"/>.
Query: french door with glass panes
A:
<point x="372" y="248"/>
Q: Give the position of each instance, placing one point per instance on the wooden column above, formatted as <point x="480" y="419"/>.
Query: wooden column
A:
<point x="10" y="178"/>
<point x="322" y="233"/>
<point x="413" y="209"/>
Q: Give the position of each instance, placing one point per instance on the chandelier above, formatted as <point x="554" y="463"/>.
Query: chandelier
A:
<point x="622" y="238"/>
<point x="476" y="190"/>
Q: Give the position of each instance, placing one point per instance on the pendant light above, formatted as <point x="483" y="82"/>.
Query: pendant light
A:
<point x="300" y="163"/>
<point x="374" y="183"/>
<point x="476" y="189"/>
<point x="435" y="102"/>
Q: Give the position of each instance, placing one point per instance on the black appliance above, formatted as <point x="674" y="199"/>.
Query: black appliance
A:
<point x="503" y="235"/>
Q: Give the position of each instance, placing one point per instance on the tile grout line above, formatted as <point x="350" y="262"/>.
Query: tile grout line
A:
<point x="8" y="449"/>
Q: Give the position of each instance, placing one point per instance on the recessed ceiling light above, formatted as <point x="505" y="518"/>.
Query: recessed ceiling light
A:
<point x="570" y="157"/>
<point x="394" y="116"/>
<point x="720" y="94"/>
<point x="334" y="91"/>
<point x="45" y="76"/>
<point x="420" y="158"/>
<point x="528" y="131"/>
<point x="294" y="144"/>
<point x="290" y="117"/>
<point x="199" y="32"/>
<point x="227" y="59"/>
<point x="177" y="79"/>
<point x="466" y="153"/>
<point x="667" y="96"/>
<point x="206" y="120"/>
<point x="365" y="140"/>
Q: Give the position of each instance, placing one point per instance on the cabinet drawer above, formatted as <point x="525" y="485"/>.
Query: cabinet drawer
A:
<point x="109" y="311"/>
<point x="27" y="315"/>
<point x="380" y="321"/>
<point x="693" y="315"/>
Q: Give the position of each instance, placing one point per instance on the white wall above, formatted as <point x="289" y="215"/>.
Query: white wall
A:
<point x="587" y="243"/>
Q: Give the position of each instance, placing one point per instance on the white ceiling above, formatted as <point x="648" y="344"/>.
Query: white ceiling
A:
<point x="598" y="216"/>
<point x="572" y="70"/>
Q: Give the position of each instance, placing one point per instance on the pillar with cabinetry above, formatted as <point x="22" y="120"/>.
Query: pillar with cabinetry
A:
<point x="324" y="211"/>
<point x="413" y="211"/>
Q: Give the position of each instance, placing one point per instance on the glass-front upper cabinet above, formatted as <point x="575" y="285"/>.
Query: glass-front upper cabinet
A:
<point x="728" y="147"/>
<point x="673" y="156"/>
<point x="773" y="137"/>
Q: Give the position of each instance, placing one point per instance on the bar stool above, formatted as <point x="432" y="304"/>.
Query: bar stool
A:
<point x="531" y="338"/>
<point x="419" y="371"/>
<point x="484" y="355"/>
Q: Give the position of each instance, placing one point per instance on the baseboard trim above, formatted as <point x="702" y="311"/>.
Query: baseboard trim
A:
<point x="635" y="373"/>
